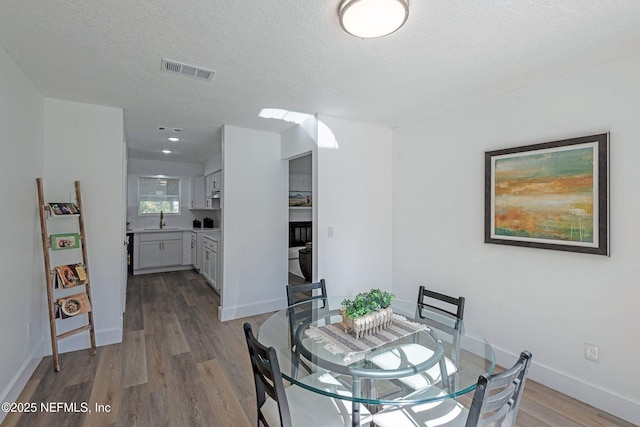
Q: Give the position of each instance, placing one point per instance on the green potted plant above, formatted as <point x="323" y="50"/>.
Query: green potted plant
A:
<point x="367" y="312"/>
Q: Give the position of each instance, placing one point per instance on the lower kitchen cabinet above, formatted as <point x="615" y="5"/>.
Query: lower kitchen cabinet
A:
<point x="210" y="262"/>
<point x="160" y="249"/>
<point x="194" y="251"/>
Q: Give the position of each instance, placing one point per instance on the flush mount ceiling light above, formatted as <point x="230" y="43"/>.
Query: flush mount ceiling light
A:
<point x="372" y="18"/>
<point x="166" y="151"/>
<point x="174" y="139"/>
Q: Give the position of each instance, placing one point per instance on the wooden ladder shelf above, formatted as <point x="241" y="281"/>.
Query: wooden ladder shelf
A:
<point x="54" y="280"/>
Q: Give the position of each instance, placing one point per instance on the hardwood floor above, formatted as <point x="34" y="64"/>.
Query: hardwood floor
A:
<point x="178" y="365"/>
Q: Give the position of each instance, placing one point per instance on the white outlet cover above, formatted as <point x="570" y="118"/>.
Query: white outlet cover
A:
<point x="591" y="352"/>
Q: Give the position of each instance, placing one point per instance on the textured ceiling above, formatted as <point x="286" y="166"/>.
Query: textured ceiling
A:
<point x="292" y="54"/>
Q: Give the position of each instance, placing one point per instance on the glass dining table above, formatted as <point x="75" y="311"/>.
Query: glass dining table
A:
<point x="422" y="350"/>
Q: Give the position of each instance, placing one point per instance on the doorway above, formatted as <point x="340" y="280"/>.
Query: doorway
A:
<point x="300" y="220"/>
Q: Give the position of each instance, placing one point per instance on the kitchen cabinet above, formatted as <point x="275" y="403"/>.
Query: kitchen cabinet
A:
<point x="160" y="249"/>
<point x="194" y="251"/>
<point x="213" y="190"/>
<point x="186" y="248"/>
<point x="210" y="262"/>
<point x="197" y="249"/>
<point x="198" y="192"/>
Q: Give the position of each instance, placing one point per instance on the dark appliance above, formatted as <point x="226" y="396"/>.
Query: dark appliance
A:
<point x="197" y="223"/>
<point x="207" y="223"/>
<point x="299" y="233"/>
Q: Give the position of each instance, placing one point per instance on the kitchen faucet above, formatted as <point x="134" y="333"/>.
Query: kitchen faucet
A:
<point x="162" y="223"/>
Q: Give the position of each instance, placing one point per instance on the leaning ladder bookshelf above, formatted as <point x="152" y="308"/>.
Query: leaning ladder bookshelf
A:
<point x="59" y="277"/>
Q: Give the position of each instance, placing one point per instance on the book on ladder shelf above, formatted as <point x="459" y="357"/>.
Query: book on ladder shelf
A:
<point x="68" y="285"/>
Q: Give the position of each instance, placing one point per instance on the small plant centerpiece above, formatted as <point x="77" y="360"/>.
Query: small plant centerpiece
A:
<point x="367" y="313"/>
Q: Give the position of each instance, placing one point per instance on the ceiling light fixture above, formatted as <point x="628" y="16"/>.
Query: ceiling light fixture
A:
<point x="174" y="139"/>
<point x="166" y="151"/>
<point x="372" y="18"/>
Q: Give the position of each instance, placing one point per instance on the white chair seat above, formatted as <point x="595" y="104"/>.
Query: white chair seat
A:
<point x="310" y="409"/>
<point x="442" y="413"/>
<point x="414" y="353"/>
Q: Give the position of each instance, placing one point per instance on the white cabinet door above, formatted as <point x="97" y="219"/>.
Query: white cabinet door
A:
<point x="194" y="252"/>
<point x="197" y="192"/>
<point x="172" y="252"/>
<point x="213" y="276"/>
<point x="199" y="251"/>
<point x="150" y="254"/>
<point x="159" y="253"/>
<point x="206" y="263"/>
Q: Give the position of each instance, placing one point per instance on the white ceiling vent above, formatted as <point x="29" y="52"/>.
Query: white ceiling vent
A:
<point x="187" y="70"/>
<point x="168" y="129"/>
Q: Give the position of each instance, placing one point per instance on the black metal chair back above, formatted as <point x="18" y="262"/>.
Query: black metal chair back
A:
<point x="307" y="290"/>
<point x="267" y="378"/>
<point x="301" y="312"/>
<point x="452" y="310"/>
<point x="432" y="299"/>
<point x="497" y="397"/>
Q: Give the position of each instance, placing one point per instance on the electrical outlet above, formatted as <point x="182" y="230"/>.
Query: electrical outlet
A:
<point x="591" y="352"/>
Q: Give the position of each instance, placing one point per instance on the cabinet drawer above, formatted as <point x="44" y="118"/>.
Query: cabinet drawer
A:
<point x="162" y="236"/>
<point x="211" y="244"/>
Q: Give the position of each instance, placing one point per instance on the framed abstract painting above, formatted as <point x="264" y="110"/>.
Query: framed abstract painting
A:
<point x="553" y="195"/>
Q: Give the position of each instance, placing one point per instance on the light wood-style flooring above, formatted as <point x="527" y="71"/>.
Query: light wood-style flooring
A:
<point x="178" y="365"/>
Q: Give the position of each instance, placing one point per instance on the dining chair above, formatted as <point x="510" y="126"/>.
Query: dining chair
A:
<point x="297" y="294"/>
<point x="304" y="292"/>
<point x="294" y="405"/>
<point x="495" y="403"/>
<point x="452" y="309"/>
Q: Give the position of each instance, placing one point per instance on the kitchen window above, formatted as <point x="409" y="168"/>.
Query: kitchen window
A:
<point x="158" y="194"/>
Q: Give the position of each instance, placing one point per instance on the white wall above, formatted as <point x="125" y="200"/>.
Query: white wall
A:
<point x="354" y="197"/>
<point x="549" y="302"/>
<point x="255" y="230"/>
<point x="166" y="167"/>
<point x="85" y="142"/>
<point x="22" y="306"/>
<point x="214" y="164"/>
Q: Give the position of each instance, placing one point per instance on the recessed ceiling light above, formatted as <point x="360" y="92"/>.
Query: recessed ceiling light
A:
<point x="166" y="151"/>
<point x="173" y="139"/>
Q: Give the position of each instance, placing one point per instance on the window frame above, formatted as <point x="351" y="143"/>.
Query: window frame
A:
<point x="168" y="198"/>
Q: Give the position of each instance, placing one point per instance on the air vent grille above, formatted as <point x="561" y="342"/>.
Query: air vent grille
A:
<point x="187" y="70"/>
<point x="168" y="129"/>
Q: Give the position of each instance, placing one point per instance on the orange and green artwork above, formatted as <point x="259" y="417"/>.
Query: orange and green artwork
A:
<point x="548" y="195"/>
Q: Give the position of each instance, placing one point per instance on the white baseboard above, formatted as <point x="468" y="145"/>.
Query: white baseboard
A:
<point x="162" y="269"/>
<point x="240" y="311"/>
<point x="20" y="379"/>
<point x="81" y="341"/>
<point x="606" y="400"/>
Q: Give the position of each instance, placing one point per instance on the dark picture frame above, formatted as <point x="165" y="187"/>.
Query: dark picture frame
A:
<point x="552" y="195"/>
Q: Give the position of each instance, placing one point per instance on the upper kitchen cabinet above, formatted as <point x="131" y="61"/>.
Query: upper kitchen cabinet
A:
<point x="197" y="192"/>
<point x="213" y="190"/>
<point x="206" y="191"/>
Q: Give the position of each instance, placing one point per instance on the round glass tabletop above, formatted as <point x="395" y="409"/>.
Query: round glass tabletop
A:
<point x="422" y="355"/>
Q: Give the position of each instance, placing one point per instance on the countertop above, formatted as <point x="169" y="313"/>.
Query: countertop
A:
<point x="170" y="229"/>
